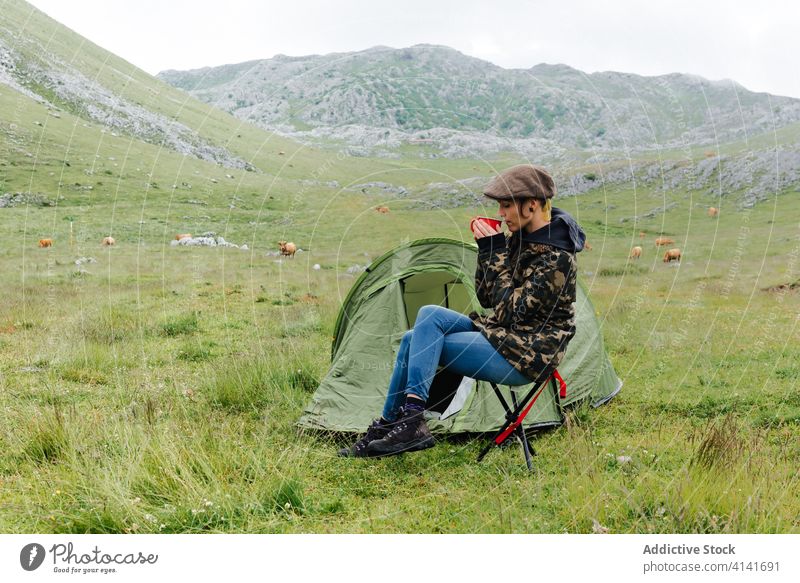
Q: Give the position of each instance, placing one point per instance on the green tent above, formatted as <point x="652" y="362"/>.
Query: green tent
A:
<point x="383" y="304"/>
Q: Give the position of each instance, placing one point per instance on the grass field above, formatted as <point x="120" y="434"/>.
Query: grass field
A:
<point x="156" y="390"/>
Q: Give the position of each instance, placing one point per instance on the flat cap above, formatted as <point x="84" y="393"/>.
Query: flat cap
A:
<point x="522" y="181"/>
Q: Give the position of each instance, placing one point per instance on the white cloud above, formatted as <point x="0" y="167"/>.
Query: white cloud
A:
<point x="752" y="43"/>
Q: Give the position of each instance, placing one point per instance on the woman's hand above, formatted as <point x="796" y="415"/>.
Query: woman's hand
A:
<point x="481" y="229"/>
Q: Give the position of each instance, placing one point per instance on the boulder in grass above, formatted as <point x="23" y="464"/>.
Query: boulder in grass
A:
<point x="208" y="239"/>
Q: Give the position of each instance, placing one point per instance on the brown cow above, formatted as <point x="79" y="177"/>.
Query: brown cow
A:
<point x="587" y="246"/>
<point x="108" y="241"/>
<point x="183" y="236"/>
<point x="287" y="248"/>
<point x="672" y="255"/>
<point x="636" y="252"/>
<point x="382" y="209"/>
<point x="45" y="243"/>
<point x="713" y="212"/>
<point x="642" y="234"/>
<point x="663" y="241"/>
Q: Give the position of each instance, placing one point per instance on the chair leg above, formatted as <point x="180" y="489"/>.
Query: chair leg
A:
<point x="506" y="431"/>
<point x="526" y="449"/>
<point x="485" y="450"/>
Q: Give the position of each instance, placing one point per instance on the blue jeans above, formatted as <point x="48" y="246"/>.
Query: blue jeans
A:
<point x="446" y="337"/>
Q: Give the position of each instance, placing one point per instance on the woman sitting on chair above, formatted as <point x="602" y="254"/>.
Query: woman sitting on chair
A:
<point x="528" y="278"/>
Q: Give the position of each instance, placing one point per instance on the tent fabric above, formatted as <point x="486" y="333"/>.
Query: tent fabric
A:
<point x="383" y="304"/>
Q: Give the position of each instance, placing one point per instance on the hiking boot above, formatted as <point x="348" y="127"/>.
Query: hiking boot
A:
<point x="376" y="430"/>
<point x="409" y="433"/>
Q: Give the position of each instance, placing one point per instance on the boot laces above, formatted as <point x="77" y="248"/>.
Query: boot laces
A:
<point x="373" y="431"/>
<point x="399" y="429"/>
<point x="401" y="424"/>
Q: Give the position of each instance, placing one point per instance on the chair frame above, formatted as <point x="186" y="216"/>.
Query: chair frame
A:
<point x="515" y="416"/>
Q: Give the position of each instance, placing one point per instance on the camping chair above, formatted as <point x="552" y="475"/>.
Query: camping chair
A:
<point x="515" y="416"/>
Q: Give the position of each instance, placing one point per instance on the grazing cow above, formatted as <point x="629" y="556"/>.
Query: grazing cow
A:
<point x="642" y="234"/>
<point x="663" y="241"/>
<point x="636" y="252"/>
<point x="183" y="236"/>
<point x="382" y="209"/>
<point x="713" y="212"/>
<point x="287" y="248"/>
<point x="108" y="241"/>
<point x="45" y="243"/>
<point x="672" y="255"/>
<point x="587" y="246"/>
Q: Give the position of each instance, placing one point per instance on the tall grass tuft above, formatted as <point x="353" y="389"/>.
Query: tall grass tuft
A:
<point x="196" y="351"/>
<point x="90" y="519"/>
<point x="241" y="386"/>
<point x="251" y="385"/>
<point x="47" y="441"/>
<point x="309" y="325"/>
<point x="289" y="497"/>
<point x="721" y="446"/>
<point x="93" y="364"/>
<point x="296" y="375"/>
<point x="179" y="325"/>
<point x="111" y="325"/>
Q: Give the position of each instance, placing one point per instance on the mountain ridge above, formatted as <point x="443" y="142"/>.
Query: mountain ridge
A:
<point x="431" y="87"/>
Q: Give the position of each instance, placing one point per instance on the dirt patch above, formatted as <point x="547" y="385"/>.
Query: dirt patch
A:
<point x="783" y="287"/>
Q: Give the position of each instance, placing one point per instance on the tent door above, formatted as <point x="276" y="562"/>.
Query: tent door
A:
<point x="443" y="388"/>
<point x="438" y="288"/>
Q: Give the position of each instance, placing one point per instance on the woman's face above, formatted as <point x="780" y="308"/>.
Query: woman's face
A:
<point x="509" y="212"/>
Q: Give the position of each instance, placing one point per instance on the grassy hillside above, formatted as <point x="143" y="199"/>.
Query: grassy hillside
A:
<point x="37" y="42"/>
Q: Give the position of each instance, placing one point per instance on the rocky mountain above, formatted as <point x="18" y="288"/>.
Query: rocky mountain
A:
<point x="382" y="97"/>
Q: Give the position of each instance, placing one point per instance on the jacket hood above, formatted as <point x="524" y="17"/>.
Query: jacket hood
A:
<point x="562" y="232"/>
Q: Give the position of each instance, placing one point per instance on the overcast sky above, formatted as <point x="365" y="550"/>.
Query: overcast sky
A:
<point x="754" y="43"/>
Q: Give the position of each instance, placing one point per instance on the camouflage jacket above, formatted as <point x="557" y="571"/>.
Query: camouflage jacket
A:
<point x="529" y="281"/>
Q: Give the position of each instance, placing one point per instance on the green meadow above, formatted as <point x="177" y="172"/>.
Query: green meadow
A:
<point x="156" y="389"/>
